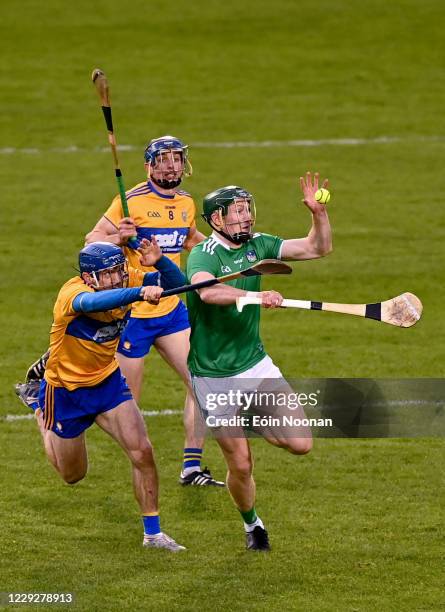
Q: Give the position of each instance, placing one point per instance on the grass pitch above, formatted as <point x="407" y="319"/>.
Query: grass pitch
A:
<point x="357" y="524"/>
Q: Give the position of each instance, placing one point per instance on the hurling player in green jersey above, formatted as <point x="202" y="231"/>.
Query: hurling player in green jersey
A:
<point x="226" y="348"/>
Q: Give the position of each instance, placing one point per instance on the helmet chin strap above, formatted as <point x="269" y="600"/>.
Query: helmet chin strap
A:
<point x="237" y="238"/>
<point x="241" y="237"/>
<point x="164" y="184"/>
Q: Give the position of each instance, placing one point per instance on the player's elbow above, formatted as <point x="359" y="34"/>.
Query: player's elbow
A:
<point x="321" y="250"/>
<point x="326" y="250"/>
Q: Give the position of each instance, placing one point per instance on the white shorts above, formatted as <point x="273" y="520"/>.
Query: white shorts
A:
<point x="263" y="369"/>
<point x="210" y="392"/>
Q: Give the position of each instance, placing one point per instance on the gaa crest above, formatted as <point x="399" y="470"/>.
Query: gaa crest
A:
<point x="251" y="256"/>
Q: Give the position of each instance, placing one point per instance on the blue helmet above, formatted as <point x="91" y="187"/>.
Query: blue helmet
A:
<point x="99" y="256"/>
<point x="164" y="144"/>
<point x="104" y="257"/>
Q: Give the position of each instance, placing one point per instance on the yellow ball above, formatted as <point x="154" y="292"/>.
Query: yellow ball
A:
<point x="323" y="196"/>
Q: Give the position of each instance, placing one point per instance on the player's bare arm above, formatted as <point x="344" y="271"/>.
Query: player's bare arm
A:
<point x="106" y="231"/>
<point x="318" y="242"/>
<point x="225" y="295"/>
<point x="194" y="237"/>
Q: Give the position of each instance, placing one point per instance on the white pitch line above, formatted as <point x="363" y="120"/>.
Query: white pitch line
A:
<point x="243" y="144"/>
<point x="148" y="413"/>
<point x="166" y="412"/>
<point x="170" y="412"/>
<point x="316" y="143"/>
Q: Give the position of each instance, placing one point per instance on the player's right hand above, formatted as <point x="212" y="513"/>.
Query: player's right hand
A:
<point x="127" y="229"/>
<point x="271" y="299"/>
<point x="151" y="294"/>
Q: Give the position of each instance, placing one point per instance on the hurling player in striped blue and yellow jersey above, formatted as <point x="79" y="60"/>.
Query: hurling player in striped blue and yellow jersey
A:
<point x="157" y="207"/>
<point x="83" y="383"/>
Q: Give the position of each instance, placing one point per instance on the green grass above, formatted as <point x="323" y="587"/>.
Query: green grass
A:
<point x="348" y="531"/>
<point x="355" y="525"/>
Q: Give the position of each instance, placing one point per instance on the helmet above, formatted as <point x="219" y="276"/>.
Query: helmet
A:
<point x="100" y="257"/>
<point x="162" y="145"/>
<point x="220" y="200"/>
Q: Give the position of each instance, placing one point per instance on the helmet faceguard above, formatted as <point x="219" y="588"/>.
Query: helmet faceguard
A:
<point x="231" y="212"/>
<point x="105" y="264"/>
<point x="115" y="277"/>
<point x="167" y="160"/>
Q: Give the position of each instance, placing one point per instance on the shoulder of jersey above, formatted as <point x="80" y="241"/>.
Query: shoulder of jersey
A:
<point x="208" y="246"/>
<point x="71" y="285"/>
<point x="75" y="281"/>
<point x="181" y="192"/>
<point x="139" y="190"/>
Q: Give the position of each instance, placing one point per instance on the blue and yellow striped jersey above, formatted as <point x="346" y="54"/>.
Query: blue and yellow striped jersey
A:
<point x="168" y="218"/>
<point x="82" y="346"/>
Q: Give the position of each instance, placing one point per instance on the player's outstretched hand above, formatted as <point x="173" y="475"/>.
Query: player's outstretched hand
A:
<point x="150" y="251"/>
<point x="151" y="294"/>
<point x="309" y="187"/>
<point x="271" y="299"/>
<point x="127" y="229"/>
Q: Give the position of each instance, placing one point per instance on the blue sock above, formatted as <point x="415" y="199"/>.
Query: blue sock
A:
<point x="192" y="459"/>
<point x="152" y="523"/>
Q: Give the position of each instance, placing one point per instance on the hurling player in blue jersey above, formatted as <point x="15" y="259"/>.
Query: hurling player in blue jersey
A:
<point x="157" y="207"/>
<point x="82" y="383"/>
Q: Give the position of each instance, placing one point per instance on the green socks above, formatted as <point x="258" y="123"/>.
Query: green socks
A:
<point x="250" y="516"/>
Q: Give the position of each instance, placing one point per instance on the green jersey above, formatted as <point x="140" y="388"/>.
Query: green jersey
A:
<point x="225" y="342"/>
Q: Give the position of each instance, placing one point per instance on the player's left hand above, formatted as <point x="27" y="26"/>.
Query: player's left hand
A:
<point x="271" y="299"/>
<point x="151" y="294"/>
<point x="150" y="251"/>
<point x="309" y="187"/>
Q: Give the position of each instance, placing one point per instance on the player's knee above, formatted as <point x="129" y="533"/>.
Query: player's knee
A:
<point x="142" y="457"/>
<point x="298" y="446"/>
<point x="73" y="476"/>
<point x="72" y="480"/>
<point x="242" y="467"/>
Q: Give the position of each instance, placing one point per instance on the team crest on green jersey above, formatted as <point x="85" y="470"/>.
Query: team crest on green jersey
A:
<point x="251" y="256"/>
